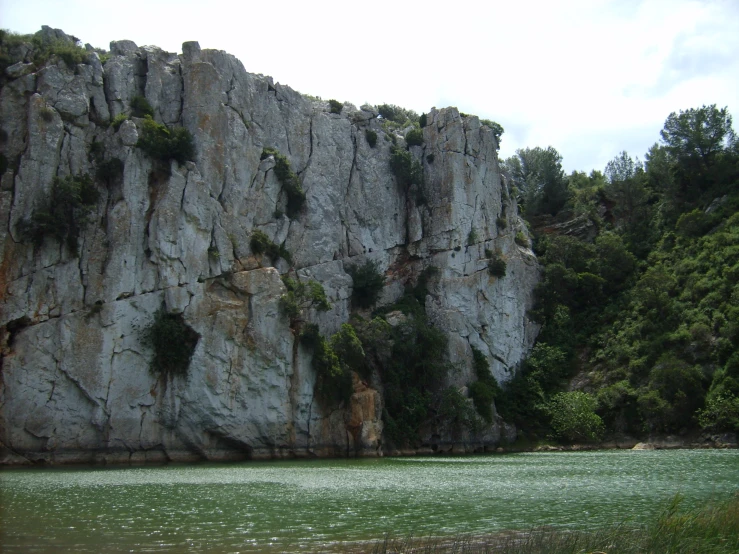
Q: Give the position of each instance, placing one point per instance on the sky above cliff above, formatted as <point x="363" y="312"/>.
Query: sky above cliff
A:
<point x="589" y="77"/>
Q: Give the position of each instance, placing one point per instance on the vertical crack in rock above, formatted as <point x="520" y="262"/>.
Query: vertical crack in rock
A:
<point x="354" y="158"/>
<point x="182" y="94"/>
<point x="51" y="392"/>
<point x="310" y="133"/>
<point x="292" y="382"/>
<point x="310" y="416"/>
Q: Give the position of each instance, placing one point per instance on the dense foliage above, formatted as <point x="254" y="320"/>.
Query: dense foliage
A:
<point x="367" y="283"/>
<point x="173" y="342"/>
<point x="645" y="317"/>
<point x="335" y="106"/>
<point x="162" y="144"/>
<point x="404" y="166"/>
<point x="63" y="215"/>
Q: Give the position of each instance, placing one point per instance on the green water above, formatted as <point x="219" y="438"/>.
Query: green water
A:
<point x="331" y="504"/>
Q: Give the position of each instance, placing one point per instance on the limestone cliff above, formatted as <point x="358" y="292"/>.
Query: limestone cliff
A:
<point x="75" y="383"/>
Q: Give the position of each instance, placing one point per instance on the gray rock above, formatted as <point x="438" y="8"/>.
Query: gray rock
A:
<point x="76" y="384"/>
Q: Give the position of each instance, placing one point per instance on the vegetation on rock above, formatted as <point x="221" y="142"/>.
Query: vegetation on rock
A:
<point x="63" y="215"/>
<point x="162" y="144"/>
<point x="173" y="342"/>
<point x="290" y="181"/>
<point x="414" y="137"/>
<point x="260" y="243"/>
<point x="335" y="106"/>
<point x="367" y="283"/>
<point x="301" y="297"/>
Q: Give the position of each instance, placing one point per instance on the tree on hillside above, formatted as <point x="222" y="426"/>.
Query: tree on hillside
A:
<point x="699" y="133"/>
<point x="537" y="173"/>
<point x="626" y="186"/>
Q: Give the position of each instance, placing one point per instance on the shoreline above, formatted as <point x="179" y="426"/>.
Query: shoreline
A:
<point x="10" y="459"/>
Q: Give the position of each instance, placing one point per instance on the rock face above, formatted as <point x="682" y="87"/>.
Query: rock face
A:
<point x="75" y="384"/>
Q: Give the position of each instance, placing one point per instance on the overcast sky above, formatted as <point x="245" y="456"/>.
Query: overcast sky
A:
<point x="589" y="77"/>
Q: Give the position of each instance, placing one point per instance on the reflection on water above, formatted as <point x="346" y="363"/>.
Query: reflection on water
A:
<point x="312" y="505"/>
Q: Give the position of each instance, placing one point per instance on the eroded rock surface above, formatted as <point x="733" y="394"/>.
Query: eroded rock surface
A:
<point x="75" y="383"/>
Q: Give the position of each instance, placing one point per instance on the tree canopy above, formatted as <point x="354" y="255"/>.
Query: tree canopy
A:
<point x="698" y="133"/>
<point x="537" y="173"/>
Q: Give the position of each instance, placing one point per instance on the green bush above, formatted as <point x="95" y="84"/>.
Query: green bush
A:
<point x="290" y="181"/>
<point x="396" y="114"/>
<point x="349" y="349"/>
<point x="118" y="120"/>
<point x="301" y="297"/>
<point x="406" y="169"/>
<point x="173" y="342"/>
<point x="260" y="243"/>
<point x="414" y="137"/>
<point x="485" y="390"/>
<point x="65" y="213"/>
<point x="574" y="418"/>
<point x="472" y="237"/>
<point x="335" y="106"/>
<point x="140" y="107"/>
<point x="162" y="144"/>
<point x="422" y="120"/>
<point x="496" y="265"/>
<point x="70" y="54"/>
<point x="497" y="129"/>
<point x="501" y="222"/>
<point x="110" y="170"/>
<point x="521" y="239"/>
<point x="333" y="361"/>
<point x="368" y="282"/>
<point x="694" y="224"/>
<point x="371" y="137"/>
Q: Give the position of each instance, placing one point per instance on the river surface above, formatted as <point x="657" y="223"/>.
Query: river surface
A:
<point x="336" y="504"/>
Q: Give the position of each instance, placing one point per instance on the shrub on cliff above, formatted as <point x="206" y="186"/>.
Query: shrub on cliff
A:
<point x="162" y="144"/>
<point x="173" y="342"/>
<point x="368" y="282"/>
<point x="406" y="169"/>
<point x="290" y="181"/>
<point x="64" y="214"/>
<point x="335" y="106"/>
<point x="140" y="107"/>
<point x="396" y="114"/>
<point x="414" y="137"/>
<point x="496" y="265"/>
<point x="371" y="137"/>
<point x="301" y="297"/>
<point x="333" y="361"/>
<point x="118" y="120"/>
<point x="261" y="244"/>
<point x="109" y="171"/>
